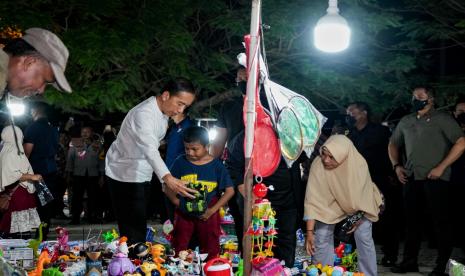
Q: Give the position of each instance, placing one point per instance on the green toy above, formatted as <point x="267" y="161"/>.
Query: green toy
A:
<point x="52" y="271"/>
<point x="240" y="268"/>
<point x="34" y="244"/>
<point x="197" y="205"/>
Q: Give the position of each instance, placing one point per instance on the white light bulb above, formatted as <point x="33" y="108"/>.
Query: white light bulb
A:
<point x="16" y="109"/>
<point x="332" y="33"/>
<point x="212" y="133"/>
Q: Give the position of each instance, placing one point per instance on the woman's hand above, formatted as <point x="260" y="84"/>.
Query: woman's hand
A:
<point x="36" y="177"/>
<point x="310" y="243"/>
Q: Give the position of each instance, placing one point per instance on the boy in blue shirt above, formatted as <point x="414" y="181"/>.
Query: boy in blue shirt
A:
<point x="210" y="178"/>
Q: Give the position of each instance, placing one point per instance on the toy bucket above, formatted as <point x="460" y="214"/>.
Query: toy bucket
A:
<point x="218" y="267"/>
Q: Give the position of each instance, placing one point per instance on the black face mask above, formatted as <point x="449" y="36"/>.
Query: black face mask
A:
<point x="418" y="104"/>
<point x="350" y="121"/>
<point x="242" y="86"/>
<point x="461" y="118"/>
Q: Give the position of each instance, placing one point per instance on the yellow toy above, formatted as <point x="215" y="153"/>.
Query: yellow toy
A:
<point x="71" y="257"/>
<point x="328" y="270"/>
<point x="147" y="268"/>
<point x="157" y="251"/>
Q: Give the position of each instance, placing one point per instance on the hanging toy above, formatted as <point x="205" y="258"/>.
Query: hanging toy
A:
<point x="262" y="228"/>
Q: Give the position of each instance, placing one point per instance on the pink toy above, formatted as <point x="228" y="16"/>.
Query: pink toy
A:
<point x="62" y="237"/>
<point x="270" y="267"/>
<point x="120" y="262"/>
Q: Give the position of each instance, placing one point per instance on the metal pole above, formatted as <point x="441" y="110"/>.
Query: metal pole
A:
<point x="252" y="86"/>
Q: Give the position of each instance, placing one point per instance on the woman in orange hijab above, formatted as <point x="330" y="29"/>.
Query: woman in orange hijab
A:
<point x="340" y="185"/>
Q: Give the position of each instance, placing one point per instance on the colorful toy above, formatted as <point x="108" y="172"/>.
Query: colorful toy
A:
<point x="262" y="228"/>
<point x="240" y="268"/>
<point x="70" y="257"/>
<point x="44" y="259"/>
<point x="120" y="262"/>
<point x="339" y="250"/>
<point x="93" y="264"/>
<point x="197" y="205"/>
<point x="52" y="271"/>
<point x="147" y="268"/>
<point x="350" y="261"/>
<point x="168" y="230"/>
<point x="62" y="237"/>
<point x="157" y="251"/>
<point x="141" y="250"/>
<point x="269" y="267"/>
<point x="34" y="244"/>
<point x="218" y="267"/>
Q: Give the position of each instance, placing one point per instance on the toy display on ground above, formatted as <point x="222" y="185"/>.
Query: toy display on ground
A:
<point x="106" y="253"/>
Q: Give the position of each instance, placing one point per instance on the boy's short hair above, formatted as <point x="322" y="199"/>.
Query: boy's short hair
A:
<point x="196" y="134"/>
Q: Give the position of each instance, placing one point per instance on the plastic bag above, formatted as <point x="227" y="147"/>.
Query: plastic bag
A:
<point x="43" y="193"/>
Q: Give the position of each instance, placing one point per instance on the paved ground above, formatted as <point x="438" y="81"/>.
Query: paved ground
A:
<point x="426" y="263"/>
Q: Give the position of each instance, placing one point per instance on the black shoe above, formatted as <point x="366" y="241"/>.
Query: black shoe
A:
<point x="401" y="268"/>
<point x="388" y="262"/>
<point x="437" y="273"/>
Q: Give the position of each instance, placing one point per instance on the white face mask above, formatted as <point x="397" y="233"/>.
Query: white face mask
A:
<point x="15" y="105"/>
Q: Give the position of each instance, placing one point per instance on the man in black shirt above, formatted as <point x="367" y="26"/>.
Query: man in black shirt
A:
<point x="371" y="141"/>
<point x="230" y="123"/>
<point x="458" y="179"/>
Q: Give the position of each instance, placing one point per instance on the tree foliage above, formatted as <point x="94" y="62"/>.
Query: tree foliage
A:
<point x="123" y="51"/>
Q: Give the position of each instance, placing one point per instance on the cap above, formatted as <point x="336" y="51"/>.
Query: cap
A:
<point x="53" y="50"/>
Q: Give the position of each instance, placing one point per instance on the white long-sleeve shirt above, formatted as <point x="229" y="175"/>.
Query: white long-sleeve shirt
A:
<point x="134" y="155"/>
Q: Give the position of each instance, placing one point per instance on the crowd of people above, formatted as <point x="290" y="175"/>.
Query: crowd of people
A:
<point x="387" y="177"/>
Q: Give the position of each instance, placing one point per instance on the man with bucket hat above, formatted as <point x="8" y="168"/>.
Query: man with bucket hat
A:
<point x="29" y="63"/>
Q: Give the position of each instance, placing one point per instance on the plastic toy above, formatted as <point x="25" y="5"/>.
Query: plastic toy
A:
<point x="349" y="261"/>
<point x="120" y="262"/>
<point x="62" y="237"/>
<point x="240" y="268"/>
<point x="260" y="190"/>
<point x="52" y="271"/>
<point x="44" y="259"/>
<point x="147" y="268"/>
<point x="157" y="251"/>
<point x="70" y="257"/>
<point x="218" y="267"/>
<point x="34" y="244"/>
<point x="197" y="205"/>
<point x="93" y="264"/>
<point x="339" y="250"/>
<point x="141" y="250"/>
<point x="269" y="267"/>
<point x="262" y="228"/>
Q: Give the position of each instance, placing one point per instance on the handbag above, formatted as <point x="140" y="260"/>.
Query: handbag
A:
<point x="5" y="198"/>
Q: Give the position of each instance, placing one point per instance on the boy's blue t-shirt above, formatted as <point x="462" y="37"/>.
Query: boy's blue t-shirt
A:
<point x="213" y="176"/>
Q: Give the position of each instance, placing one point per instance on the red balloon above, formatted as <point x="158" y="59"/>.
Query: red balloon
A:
<point x="260" y="190"/>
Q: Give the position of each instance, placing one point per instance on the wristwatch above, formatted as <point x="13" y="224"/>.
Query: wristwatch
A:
<point x="395" y="166"/>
